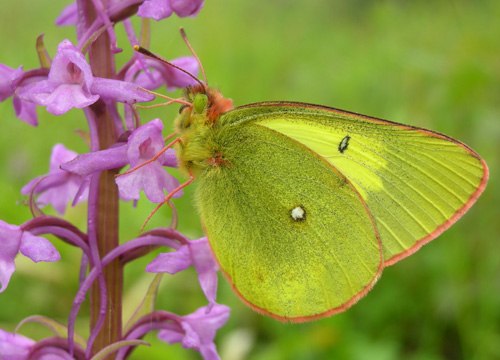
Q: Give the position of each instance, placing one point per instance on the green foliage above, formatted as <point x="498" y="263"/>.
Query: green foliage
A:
<point x="430" y="64"/>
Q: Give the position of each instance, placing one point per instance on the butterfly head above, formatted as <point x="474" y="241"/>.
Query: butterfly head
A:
<point x="207" y="104"/>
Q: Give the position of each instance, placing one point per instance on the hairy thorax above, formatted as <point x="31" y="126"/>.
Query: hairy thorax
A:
<point x="198" y="129"/>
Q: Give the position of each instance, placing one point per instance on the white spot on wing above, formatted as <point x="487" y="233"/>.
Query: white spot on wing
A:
<point x="297" y="213"/>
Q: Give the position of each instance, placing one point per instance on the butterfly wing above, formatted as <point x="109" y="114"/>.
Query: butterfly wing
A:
<point x="415" y="182"/>
<point x="290" y="231"/>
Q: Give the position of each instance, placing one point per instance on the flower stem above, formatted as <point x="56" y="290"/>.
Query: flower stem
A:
<point x="104" y="215"/>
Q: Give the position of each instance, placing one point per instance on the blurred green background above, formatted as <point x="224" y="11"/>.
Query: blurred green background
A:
<point x="430" y="64"/>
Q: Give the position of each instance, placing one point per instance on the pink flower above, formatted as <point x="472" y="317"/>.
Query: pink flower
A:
<point x="165" y="74"/>
<point x="18" y="347"/>
<point x="14" y="240"/>
<point x="197" y="253"/>
<point x="14" y="346"/>
<point x="161" y="9"/>
<point x="142" y="145"/>
<point x="25" y="111"/>
<point x="69" y="16"/>
<point x="197" y="330"/>
<point x="70" y="84"/>
<point x="58" y="187"/>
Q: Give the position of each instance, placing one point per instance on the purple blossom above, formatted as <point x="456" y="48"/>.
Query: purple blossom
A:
<point x="142" y="145"/>
<point x="14" y="346"/>
<point x="197" y="253"/>
<point x="58" y="187"/>
<point x="165" y="74"/>
<point x="161" y="9"/>
<point x="18" y="347"/>
<point x="198" y="330"/>
<point x="14" y="240"/>
<point x="25" y="110"/>
<point x="9" y="78"/>
<point x="68" y="16"/>
<point x="70" y="84"/>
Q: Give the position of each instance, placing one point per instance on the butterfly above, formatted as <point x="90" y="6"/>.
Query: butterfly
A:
<point x="304" y="205"/>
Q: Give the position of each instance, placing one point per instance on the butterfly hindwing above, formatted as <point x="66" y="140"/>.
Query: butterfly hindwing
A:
<point x="290" y="231"/>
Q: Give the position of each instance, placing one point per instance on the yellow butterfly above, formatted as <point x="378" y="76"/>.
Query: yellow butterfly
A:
<point x="304" y="205"/>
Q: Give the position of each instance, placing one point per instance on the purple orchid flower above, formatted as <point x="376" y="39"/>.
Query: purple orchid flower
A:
<point x="142" y="145"/>
<point x="18" y="347"/>
<point x="7" y="76"/>
<point x="197" y="253"/>
<point x="70" y="84"/>
<point x="14" y="346"/>
<point x="197" y="330"/>
<point x="69" y="16"/>
<point x="13" y="239"/>
<point x="161" y="9"/>
<point x="25" y="111"/>
<point x="164" y="74"/>
<point x="58" y="187"/>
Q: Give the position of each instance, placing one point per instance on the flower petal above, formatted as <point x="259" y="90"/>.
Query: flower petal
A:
<point x="206" y="323"/>
<point x="25" y="110"/>
<point x="58" y="187"/>
<point x="151" y="80"/>
<point x="120" y="91"/>
<point x="68" y="16"/>
<point x="70" y="67"/>
<point x="177" y="79"/>
<point x="7" y="76"/>
<point x="155" y="9"/>
<point x="88" y="163"/>
<point x="184" y="8"/>
<point x="14" y="346"/>
<point x="60" y="155"/>
<point x="143" y="144"/>
<point x="191" y="339"/>
<point x="170" y="159"/>
<point x="137" y="152"/>
<point x="66" y="97"/>
<point x="203" y="258"/>
<point x="171" y="262"/>
<point x="208" y="283"/>
<point x="152" y="178"/>
<point x="10" y="241"/>
<point x="170" y="336"/>
<point x="209" y="352"/>
<point x="38" y="248"/>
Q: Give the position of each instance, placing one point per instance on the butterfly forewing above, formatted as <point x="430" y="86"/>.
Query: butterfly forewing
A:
<point x="415" y="182"/>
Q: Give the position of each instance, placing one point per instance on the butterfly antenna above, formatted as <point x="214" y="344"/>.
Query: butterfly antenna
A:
<point x="184" y="37"/>
<point x="146" y="52"/>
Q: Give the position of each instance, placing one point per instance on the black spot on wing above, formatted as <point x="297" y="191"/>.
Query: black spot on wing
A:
<point x="344" y="143"/>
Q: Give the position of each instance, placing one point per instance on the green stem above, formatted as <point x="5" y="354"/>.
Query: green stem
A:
<point x="106" y="218"/>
